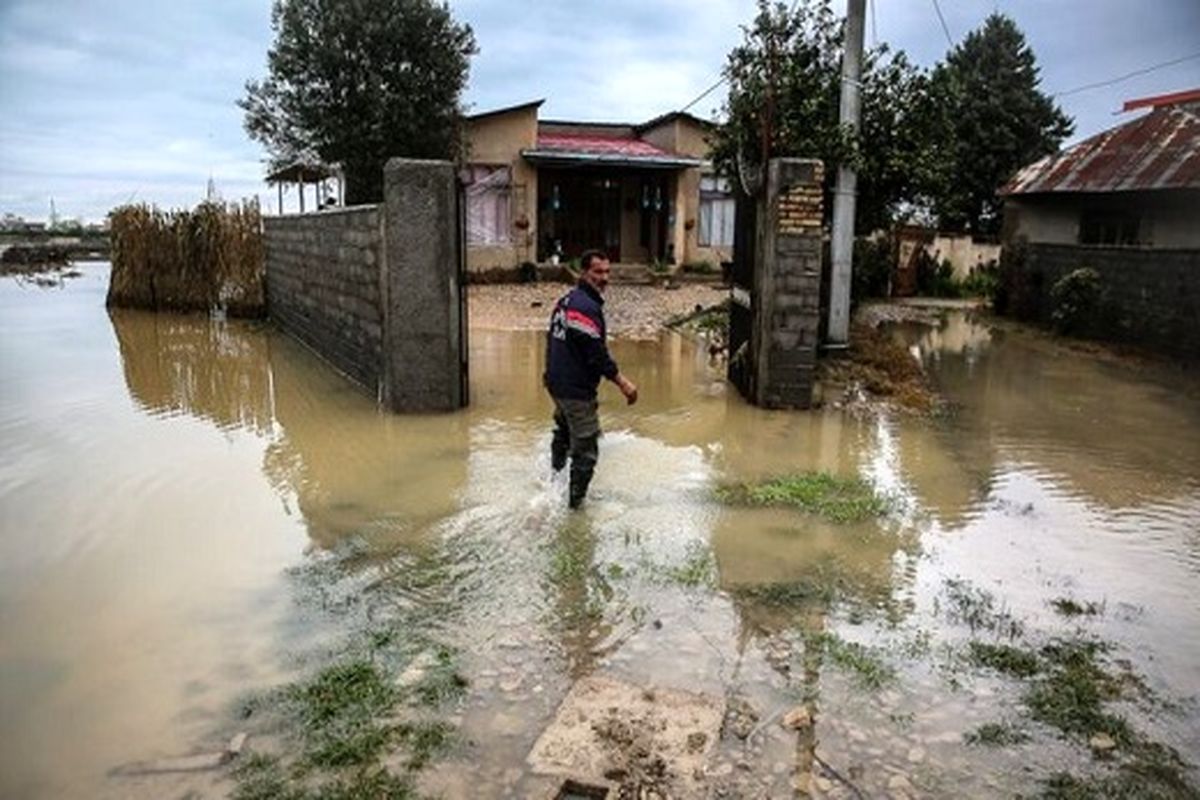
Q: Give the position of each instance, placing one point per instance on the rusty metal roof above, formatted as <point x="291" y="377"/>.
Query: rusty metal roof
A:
<point x="1160" y="150"/>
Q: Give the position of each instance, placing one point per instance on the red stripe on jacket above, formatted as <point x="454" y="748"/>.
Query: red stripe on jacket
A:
<point x="582" y="319"/>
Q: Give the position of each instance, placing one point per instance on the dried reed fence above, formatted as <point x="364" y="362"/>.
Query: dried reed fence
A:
<point x="209" y="258"/>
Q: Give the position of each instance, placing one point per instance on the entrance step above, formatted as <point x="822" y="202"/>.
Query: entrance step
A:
<point x="632" y="273"/>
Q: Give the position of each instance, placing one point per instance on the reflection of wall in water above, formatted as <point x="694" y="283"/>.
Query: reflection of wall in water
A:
<point x="216" y="371"/>
<point x="353" y="469"/>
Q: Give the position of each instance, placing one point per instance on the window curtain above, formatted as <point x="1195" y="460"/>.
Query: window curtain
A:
<point x="488" y="217"/>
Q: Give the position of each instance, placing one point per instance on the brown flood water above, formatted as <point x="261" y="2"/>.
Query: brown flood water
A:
<point x="192" y="511"/>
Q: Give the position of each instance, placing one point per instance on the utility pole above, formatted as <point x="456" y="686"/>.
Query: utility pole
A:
<point x="846" y="193"/>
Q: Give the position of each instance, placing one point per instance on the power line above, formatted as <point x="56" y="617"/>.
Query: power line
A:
<point x="1127" y="76"/>
<point x="945" y="27"/>
<point x="705" y="93"/>
<point x="724" y="77"/>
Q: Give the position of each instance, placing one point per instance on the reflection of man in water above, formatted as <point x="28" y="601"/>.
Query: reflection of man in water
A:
<point x="576" y="359"/>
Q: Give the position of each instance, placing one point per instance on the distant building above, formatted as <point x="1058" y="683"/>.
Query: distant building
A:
<point x="539" y="189"/>
<point x="1135" y="185"/>
<point x="1123" y="205"/>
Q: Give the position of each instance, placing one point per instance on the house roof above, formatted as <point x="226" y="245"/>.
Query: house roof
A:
<point x="496" y="111"/>
<point x="299" y="172"/>
<point x="1160" y="150"/>
<point x="671" y="116"/>
<point x="583" y="148"/>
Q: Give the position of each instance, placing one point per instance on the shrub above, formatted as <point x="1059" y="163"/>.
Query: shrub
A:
<point x="1076" y="300"/>
<point x="934" y="278"/>
<point x="872" y="270"/>
<point x="984" y="281"/>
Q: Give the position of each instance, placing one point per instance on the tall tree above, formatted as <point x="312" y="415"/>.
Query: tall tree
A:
<point x="784" y="90"/>
<point x="356" y="82"/>
<point x="993" y="120"/>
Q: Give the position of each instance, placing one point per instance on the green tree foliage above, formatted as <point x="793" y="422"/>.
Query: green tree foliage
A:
<point x="790" y="62"/>
<point x="992" y="119"/>
<point x="356" y="82"/>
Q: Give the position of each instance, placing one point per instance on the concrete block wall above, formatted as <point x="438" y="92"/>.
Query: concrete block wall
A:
<point x="787" y="306"/>
<point x="375" y="290"/>
<point x="324" y="286"/>
<point x="1151" y="296"/>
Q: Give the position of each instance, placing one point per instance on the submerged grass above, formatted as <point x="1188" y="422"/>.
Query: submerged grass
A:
<point x="865" y="663"/>
<point x="835" y="498"/>
<point x="1071" y="694"/>
<point x="996" y="734"/>
<point x="340" y="724"/>
<point x="977" y="609"/>
<point x="1004" y="658"/>
<point x="1073" y="608"/>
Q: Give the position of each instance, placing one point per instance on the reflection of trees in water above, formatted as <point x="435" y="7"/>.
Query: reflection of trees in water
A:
<point x="350" y="469"/>
<point x="216" y="371"/>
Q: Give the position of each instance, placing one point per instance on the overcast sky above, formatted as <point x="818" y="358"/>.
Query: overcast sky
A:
<point x="106" y="102"/>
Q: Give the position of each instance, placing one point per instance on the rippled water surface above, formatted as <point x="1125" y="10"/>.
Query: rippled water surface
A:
<point x="192" y="511"/>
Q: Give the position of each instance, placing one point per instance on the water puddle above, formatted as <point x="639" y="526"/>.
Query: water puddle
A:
<point x="195" y="512"/>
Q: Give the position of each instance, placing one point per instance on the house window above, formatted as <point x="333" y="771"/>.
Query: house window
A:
<point x="488" y="216"/>
<point x="716" y="212"/>
<point x="1120" y="228"/>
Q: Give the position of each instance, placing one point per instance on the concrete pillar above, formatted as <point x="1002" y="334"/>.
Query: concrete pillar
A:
<point x="787" y="282"/>
<point x="423" y="336"/>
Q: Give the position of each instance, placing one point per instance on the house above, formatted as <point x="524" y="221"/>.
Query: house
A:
<point x="1112" y="224"/>
<point x="1135" y="185"/>
<point x="539" y="189"/>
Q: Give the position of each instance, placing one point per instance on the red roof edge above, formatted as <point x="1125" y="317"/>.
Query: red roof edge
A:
<point x="1160" y="100"/>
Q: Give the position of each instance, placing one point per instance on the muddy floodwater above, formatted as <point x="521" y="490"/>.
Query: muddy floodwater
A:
<point x="193" y="512"/>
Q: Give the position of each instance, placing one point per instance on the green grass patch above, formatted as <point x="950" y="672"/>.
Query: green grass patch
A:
<point x="865" y="663"/>
<point x="835" y="498"/>
<point x="996" y="734"/>
<point x="425" y="740"/>
<point x="1072" y="608"/>
<point x="1071" y="694"/>
<point x="1004" y="658"/>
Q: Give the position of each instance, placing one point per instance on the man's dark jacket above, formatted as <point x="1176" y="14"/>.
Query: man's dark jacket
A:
<point x="576" y="354"/>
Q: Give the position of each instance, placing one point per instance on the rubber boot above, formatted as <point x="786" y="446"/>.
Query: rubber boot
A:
<point x="560" y="444"/>
<point x="583" y="464"/>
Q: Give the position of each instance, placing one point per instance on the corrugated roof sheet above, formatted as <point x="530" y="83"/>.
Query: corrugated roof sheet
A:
<point x="1160" y="150"/>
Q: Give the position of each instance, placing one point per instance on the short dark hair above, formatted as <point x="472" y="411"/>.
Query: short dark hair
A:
<point x="585" y="260"/>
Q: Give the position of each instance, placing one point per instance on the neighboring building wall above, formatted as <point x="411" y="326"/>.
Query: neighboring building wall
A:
<point x="683" y="136"/>
<point x="498" y="139"/>
<point x="963" y="253"/>
<point x="323" y="285"/>
<point x="1168" y="219"/>
<point x="1151" y="296"/>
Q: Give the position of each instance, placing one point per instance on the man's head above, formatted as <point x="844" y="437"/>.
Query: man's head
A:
<point x="596" y="269"/>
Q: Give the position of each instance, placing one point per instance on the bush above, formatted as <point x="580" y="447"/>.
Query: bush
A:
<point x="934" y="278"/>
<point x="1075" y="301"/>
<point x="872" y="269"/>
<point x="984" y="281"/>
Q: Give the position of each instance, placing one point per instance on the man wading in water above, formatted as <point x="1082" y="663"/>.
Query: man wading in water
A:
<point x="576" y="359"/>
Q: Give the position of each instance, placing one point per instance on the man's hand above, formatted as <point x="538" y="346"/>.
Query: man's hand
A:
<point x="628" y="389"/>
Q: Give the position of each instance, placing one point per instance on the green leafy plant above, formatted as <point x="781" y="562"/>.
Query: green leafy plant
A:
<point x="1075" y="300"/>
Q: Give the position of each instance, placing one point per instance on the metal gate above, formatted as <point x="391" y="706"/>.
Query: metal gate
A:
<point x="741" y="312"/>
<point x="464" y="375"/>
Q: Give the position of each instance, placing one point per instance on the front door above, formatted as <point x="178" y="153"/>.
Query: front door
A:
<point x="579" y="210"/>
